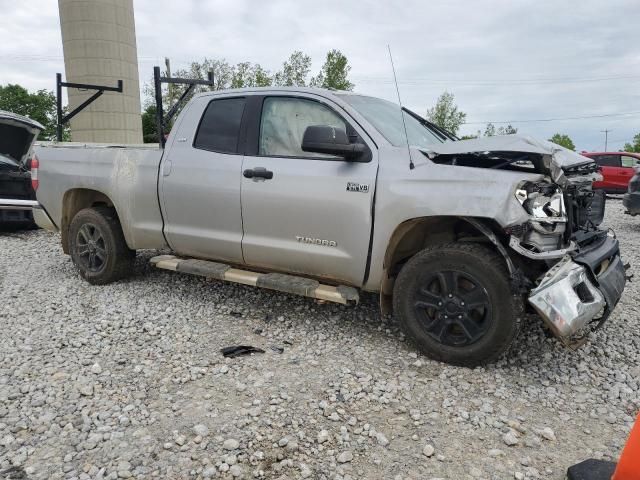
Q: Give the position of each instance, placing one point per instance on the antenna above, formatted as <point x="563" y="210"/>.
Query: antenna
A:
<point x="406" y="136"/>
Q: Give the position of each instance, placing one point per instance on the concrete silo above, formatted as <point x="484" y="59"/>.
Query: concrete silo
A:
<point x="99" y="43"/>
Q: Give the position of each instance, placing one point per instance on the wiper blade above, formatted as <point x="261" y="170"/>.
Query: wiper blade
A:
<point x="441" y="132"/>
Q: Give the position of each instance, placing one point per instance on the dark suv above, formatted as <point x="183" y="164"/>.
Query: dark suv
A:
<point x="631" y="199"/>
<point x="17" y="136"/>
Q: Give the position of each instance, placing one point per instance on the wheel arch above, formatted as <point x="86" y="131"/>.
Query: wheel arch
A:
<point x="75" y="200"/>
<point x="415" y="234"/>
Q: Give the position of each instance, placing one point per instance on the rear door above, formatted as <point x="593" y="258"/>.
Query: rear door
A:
<point x="628" y="164"/>
<point x="200" y="180"/>
<point x="610" y="164"/>
<point x="312" y="214"/>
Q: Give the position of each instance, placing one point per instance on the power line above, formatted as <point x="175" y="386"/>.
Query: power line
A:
<point x="552" y="119"/>
<point x="386" y="80"/>
<point x="496" y="82"/>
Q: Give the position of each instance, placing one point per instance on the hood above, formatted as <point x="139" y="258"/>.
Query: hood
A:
<point x="487" y="152"/>
<point x="17" y="136"/>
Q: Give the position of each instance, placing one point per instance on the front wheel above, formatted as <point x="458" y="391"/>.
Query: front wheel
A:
<point x="98" y="248"/>
<point x="455" y="302"/>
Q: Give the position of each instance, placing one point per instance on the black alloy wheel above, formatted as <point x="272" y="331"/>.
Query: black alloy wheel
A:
<point x="454" y="307"/>
<point x="455" y="303"/>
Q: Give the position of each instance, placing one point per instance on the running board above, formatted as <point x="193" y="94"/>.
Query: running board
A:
<point x="273" y="281"/>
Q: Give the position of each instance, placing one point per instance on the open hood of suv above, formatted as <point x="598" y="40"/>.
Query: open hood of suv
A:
<point x="506" y="151"/>
<point x="17" y="136"/>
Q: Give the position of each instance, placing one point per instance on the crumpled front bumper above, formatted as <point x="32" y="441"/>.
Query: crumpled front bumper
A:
<point x="581" y="288"/>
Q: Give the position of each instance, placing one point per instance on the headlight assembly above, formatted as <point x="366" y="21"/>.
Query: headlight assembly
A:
<point x="543" y="201"/>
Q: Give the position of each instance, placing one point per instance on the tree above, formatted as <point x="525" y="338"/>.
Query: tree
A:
<point x="149" y="125"/>
<point x="294" y="71"/>
<point x="39" y="106"/>
<point x="508" y="130"/>
<point x="633" y="147"/>
<point x="491" y="130"/>
<point x="445" y="113"/>
<point x="563" y="140"/>
<point x="334" y="72"/>
<point x="247" y="74"/>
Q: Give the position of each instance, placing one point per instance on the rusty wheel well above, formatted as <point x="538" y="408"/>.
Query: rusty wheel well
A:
<point x="74" y="201"/>
<point x="416" y="234"/>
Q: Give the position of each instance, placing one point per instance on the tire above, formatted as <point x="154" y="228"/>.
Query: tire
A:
<point x="429" y="300"/>
<point x="97" y="246"/>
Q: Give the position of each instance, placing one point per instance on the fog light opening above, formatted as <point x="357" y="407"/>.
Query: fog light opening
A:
<point x="583" y="292"/>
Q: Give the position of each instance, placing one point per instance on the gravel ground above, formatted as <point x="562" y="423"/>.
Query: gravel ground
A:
<point x="127" y="381"/>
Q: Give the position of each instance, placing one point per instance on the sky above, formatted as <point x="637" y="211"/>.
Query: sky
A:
<point x="504" y="60"/>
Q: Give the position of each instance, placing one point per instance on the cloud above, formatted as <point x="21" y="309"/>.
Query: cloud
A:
<point x="503" y="60"/>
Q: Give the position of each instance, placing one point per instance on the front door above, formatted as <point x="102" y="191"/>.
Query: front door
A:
<point x="305" y="212"/>
<point x="200" y="181"/>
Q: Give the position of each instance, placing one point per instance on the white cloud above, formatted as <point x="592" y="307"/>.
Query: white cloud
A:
<point x="486" y="52"/>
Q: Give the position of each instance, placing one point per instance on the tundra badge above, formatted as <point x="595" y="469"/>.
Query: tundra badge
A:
<point x="357" y="187"/>
<point x="316" y="241"/>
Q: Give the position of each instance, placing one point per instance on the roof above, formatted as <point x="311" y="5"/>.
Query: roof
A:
<point x="631" y="154"/>
<point x="4" y="115"/>
<point x="321" y="91"/>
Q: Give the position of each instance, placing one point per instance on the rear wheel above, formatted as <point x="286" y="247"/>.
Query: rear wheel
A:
<point x="98" y="248"/>
<point x="455" y="302"/>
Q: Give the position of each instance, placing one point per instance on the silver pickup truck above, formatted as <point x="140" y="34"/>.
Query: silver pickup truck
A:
<point x="324" y="194"/>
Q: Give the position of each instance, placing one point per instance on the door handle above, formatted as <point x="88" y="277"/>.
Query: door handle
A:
<point x="258" y="172"/>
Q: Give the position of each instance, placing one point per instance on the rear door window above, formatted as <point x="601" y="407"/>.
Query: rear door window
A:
<point x="608" y="160"/>
<point x="628" y="161"/>
<point x="219" y="129"/>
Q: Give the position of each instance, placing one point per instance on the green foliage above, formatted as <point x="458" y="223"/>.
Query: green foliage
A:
<point x="563" y="140"/>
<point x="294" y="71"/>
<point x="445" y="113"/>
<point x="334" y="72"/>
<point x="149" y="126"/>
<point x="39" y="106"/>
<point x="633" y="147"/>
<point x="491" y="130"/>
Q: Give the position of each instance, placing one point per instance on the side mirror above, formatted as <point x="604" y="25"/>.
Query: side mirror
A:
<point x="331" y="141"/>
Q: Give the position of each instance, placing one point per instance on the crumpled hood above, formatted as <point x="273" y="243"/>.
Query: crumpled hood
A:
<point x="17" y="135"/>
<point x="555" y="157"/>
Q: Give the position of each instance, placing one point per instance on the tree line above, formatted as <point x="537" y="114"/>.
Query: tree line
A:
<point x="295" y="71"/>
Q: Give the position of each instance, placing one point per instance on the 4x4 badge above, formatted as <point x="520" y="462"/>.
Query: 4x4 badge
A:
<point x="357" y="187"/>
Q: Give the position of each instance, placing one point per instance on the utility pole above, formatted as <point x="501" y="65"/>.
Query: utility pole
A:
<point x="170" y="87"/>
<point x="606" y="138"/>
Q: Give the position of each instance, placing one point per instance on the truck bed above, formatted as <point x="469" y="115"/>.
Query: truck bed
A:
<point x="126" y="174"/>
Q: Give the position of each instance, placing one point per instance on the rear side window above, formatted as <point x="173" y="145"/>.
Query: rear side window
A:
<point x="608" y="160"/>
<point x="628" y="161"/>
<point x="219" y="129"/>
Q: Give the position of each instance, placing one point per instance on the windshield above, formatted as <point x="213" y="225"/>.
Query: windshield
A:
<point x="385" y="117"/>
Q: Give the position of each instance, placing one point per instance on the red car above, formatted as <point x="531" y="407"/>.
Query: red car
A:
<point x="617" y="169"/>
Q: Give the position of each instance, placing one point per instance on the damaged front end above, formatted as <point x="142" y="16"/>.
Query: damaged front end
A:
<point x="575" y="273"/>
<point x="587" y="276"/>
